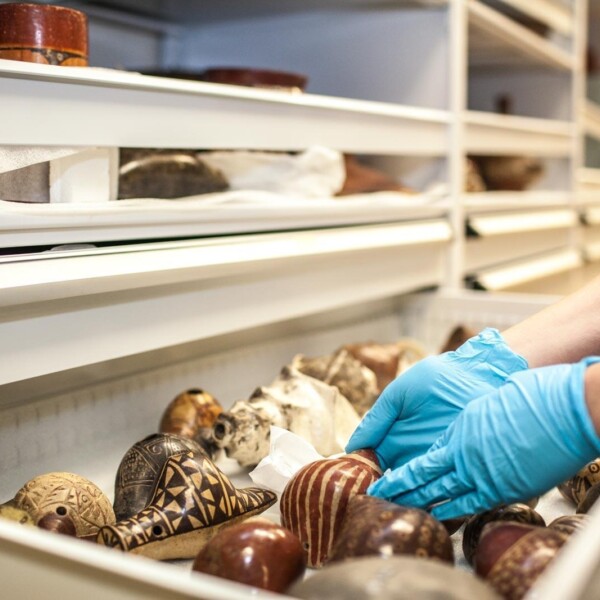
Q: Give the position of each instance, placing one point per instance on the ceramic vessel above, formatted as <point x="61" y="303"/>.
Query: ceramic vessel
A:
<point x="396" y="578"/>
<point x="141" y="467"/>
<point x="569" y="524"/>
<point x="313" y="503"/>
<point x="43" y="33"/>
<point x="66" y="494"/>
<point x="575" y="488"/>
<point x="58" y="524"/>
<point x="192" y="414"/>
<point x="355" y="382"/>
<point x="511" y="556"/>
<point x="301" y="404"/>
<point x="373" y="526"/>
<point x="192" y="500"/>
<point x="516" y="513"/>
<point x="457" y="337"/>
<point x="257" y="552"/>
<point x="11" y="512"/>
<point x="387" y="361"/>
<point x="589" y="499"/>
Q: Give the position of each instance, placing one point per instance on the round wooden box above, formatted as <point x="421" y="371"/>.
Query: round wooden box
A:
<point x="43" y="33"/>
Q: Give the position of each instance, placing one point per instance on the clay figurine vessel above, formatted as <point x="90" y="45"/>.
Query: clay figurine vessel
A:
<point x="511" y="556"/>
<point x="141" y="467"/>
<point x="310" y="408"/>
<point x="395" y="578"/>
<point x="569" y="524"/>
<point x="516" y="513"/>
<point x="47" y="34"/>
<point x="355" y="382"/>
<point x="256" y="552"/>
<point x="192" y="500"/>
<point x="590" y="498"/>
<point x="373" y="526"/>
<point x="457" y="337"/>
<point x="387" y="361"/>
<point x="575" y="488"/>
<point x="192" y="414"/>
<point x="66" y="495"/>
<point x="313" y="503"/>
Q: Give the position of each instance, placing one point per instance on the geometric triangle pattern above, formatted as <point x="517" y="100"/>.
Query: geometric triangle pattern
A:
<point x="191" y="494"/>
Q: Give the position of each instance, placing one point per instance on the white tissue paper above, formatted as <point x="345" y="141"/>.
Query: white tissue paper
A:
<point x="19" y="157"/>
<point x="288" y="453"/>
<point x="315" y="173"/>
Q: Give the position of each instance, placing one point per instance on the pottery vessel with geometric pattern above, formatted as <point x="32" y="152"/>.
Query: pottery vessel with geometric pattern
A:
<point x="192" y="501"/>
<point x="575" y="488"/>
<point x="141" y="467"/>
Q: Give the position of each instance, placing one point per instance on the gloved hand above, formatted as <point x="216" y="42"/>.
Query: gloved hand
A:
<point x="418" y="406"/>
<point x="513" y="443"/>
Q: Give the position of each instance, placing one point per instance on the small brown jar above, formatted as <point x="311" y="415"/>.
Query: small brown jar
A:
<point x="43" y="33"/>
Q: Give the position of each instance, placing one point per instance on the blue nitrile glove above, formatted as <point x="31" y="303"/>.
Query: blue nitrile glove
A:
<point x="513" y="443"/>
<point x="418" y="406"/>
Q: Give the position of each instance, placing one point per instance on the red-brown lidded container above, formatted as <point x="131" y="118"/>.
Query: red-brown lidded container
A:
<point x="44" y="33"/>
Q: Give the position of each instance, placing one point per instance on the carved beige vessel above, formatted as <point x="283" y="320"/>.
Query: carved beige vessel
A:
<point x="66" y="495"/>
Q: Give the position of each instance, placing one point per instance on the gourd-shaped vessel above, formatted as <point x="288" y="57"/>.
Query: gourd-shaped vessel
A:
<point x="511" y="556"/>
<point x="193" y="499"/>
<point x="314" y="501"/>
<point x="373" y="526"/>
<point x="67" y="495"/>
<point x="356" y="382"/>
<point x="301" y="404"/>
<point x="191" y="414"/>
<point x="140" y="468"/>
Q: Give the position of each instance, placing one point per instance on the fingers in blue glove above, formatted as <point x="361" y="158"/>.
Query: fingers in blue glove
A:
<point x="376" y="423"/>
<point x="416" y="473"/>
<point x="441" y="489"/>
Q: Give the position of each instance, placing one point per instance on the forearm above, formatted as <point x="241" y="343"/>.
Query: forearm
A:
<point x="562" y="333"/>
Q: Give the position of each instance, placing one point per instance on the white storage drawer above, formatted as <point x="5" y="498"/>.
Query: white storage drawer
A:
<point x="87" y="431"/>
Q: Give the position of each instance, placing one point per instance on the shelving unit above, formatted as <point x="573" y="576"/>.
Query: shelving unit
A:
<point x="221" y="288"/>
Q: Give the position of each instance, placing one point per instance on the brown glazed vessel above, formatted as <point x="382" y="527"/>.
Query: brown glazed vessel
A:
<point x="511" y="556"/>
<point x="516" y="513"/>
<point x="373" y="526"/>
<point x="58" y="524"/>
<point x="395" y="578"/>
<point x="313" y="503"/>
<point x="43" y="33"/>
<point x="575" y="488"/>
<point x="256" y="552"/>
<point x="192" y="414"/>
<point x="193" y="499"/>
<point x="141" y="467"/>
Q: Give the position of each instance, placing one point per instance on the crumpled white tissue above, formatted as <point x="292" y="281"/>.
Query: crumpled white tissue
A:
<point x="317" y="172"/>
<point x="288" y="453"/>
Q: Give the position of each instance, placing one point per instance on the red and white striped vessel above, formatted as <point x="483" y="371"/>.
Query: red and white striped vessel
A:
<point x="314" y="501"/>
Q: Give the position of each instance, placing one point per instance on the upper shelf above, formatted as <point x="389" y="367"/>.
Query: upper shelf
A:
<point x="103" y="107"/>
<point x="490" y="133"/>
<point x="552" y="13"/>
<point x="495" y="40"/>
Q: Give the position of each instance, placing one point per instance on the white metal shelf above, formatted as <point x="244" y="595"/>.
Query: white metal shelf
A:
<point x="104" y="107"/>
<point x="552" y="13"/>
<point x="489" y="133"/>
<point x="522" y="271"/>
<point x="497" y="40"/>
<point x="499" y="200"/>
<point x="503" y="223"/>
<point x="70" y="310"/>
<point x="229" y="213"/>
